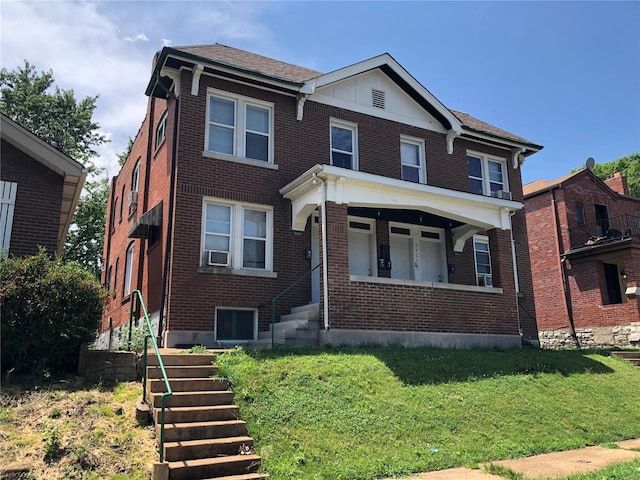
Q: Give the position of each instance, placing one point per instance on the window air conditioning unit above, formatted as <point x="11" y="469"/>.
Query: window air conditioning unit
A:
<point x="502" y="194"/>
<point x="133" y="198"/>
<point x="218" y="258"/>
<point x="488" y="281"/>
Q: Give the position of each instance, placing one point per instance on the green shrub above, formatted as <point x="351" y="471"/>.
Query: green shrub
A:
<point x="48" y="309"/>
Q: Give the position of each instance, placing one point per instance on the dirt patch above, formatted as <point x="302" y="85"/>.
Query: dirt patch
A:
<point x="70" y="430"/>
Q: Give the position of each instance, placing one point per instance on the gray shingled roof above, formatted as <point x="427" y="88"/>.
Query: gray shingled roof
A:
<point x="286" y="71"/>
<point x="251" y="61"/>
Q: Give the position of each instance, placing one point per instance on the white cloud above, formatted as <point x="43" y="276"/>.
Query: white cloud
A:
<point x="139" y="37"/>
<point x="166" y="42"/>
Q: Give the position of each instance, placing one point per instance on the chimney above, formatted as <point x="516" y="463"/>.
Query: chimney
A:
<point x="618" y="183"/>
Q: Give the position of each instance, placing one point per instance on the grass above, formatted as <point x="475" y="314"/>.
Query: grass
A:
<point x="621" y="471"/>
<point x="380" y="412"/>
<point x="71" y="430"/>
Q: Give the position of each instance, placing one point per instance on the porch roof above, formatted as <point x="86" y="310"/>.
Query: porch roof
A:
<point x="359" y="189"/>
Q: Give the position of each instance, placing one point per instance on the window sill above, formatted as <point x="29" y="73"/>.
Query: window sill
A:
<point x="244" y="161"/>
<point x="416" y="283"/>
<point x="237" y="271"/>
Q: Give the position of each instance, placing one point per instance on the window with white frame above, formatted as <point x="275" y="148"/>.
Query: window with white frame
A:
<point x="237" y="236"/>
<point x="486" y="174"/>
<point x="412" y="158"/>
<point x="344" y="142"/>
<point x="482" y="260"/>
<point x="128" y="269"/>
<point x="161" y="130"/>
<point x="234" y="324"/>
<point x="240" y="127"/>
<point x="135" y="177"/>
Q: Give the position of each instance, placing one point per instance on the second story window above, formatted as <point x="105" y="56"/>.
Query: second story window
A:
<point x="487" y="175"/>
<point x="161" y="130"/>
<point x="412" y="158"/>
<point x="128" y="270"/>
<point x="580" y="213"/>
<point x="135" y="177"/>
<point x="344" y="152"/>
<point x="240" y="127"/>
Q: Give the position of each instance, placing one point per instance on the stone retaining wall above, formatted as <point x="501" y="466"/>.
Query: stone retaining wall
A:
<point x="108" y="366"/>
<point x="618" y="336"/>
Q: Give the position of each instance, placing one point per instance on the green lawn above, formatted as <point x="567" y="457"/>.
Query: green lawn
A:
<point x="369" y="413"/>
<point x="622" y="471"/>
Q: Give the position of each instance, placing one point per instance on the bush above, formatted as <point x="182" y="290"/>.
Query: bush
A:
<point x="48" y="310"/>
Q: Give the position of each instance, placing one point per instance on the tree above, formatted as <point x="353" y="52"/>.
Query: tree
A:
<point x="85" y="239"/>
<point x="53" y="114"/>
<point x="122" y="157"/>
<point x="629" y="166"/>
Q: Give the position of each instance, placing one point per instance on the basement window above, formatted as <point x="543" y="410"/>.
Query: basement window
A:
<point x="236" y="324"/>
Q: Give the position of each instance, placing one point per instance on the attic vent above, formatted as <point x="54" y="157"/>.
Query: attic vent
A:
<point x="377" y="98"/>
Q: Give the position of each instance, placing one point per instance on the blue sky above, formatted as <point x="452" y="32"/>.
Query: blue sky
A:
<point x="565" y="75"/>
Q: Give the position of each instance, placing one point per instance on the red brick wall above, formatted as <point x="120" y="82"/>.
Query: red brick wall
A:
<point x="298" y="145"/>
<point x="36" y="214"/>
<point x="586" y="281"/>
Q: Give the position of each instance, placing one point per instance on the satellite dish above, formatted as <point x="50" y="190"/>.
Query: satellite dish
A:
<point x="590" y="163"/>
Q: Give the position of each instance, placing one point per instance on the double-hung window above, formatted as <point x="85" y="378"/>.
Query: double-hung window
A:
<point x="483" y="261"/>
<point x="239" y="127"/>
<point x="128" y="270"/>
<point x="344" y="143"/>
<point x="412" y="158"/>
<point x="487" y="174"/>
<point x="237" y="236"/>
<point x="161" y="130"/>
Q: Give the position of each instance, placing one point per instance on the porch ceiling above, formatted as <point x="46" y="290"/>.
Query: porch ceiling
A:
<point x="358" y="189"/>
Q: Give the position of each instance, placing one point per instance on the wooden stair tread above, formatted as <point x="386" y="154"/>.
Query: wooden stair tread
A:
<point x="213" y="423"/>
<point x="213" y="461"/>
<point x="245" y="476"/>
<point x="207" y="441"/>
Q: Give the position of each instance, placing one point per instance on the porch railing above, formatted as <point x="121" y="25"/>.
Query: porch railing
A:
<point x="149" y="335"/>
<point x="277" y="297"/>
<point x="613" y="228"/>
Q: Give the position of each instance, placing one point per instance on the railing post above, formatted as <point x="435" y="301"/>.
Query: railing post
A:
<point x="130" y="321"/>
<point x="144" y="372"/>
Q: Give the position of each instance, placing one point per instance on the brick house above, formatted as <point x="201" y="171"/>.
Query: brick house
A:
<point x="39" y="189"/>
<point x="248" y="172"/>
<point x="584" y="240"/>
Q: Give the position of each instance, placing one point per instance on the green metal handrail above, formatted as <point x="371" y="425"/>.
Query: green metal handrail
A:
<point x="148" y="336"/>
<point x="275" y="299"/>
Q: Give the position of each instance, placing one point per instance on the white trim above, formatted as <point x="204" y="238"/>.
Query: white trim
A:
<point x="422" y="164"/>
<point x="243" y="309"/>
<point x="357" y="190"/>
<point x="128" y="269"/>
<point x="418" y="283"/>
<point x="415" y="234"/>
<point x="239" y="128"/>
<point x="236" y="235"/>
<point x="371" y="231"/>
<point x="8" y="192"/>
<point x="353" y="128"/>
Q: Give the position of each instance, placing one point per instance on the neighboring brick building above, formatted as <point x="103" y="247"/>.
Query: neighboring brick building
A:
<point x="584" y="240"/>
<point x="39" y="190"/>
<point x="247" y="169"/>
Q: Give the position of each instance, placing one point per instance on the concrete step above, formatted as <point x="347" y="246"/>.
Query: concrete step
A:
<point x="192" y="371"/>
<point x="197" y="414"/>
<point x="176" y="432"/>
<point x="314" y="308"/>
<point x="207" y="448"/>
<point x="182" y="359"/>
<point x="264" y="342"/>
<point x="187" y="384"/>
<point x="191" y="399"/>
<point x="213" y="467"/>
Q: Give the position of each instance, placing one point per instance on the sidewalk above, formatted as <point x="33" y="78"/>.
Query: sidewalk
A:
<point x="548" y="465"/>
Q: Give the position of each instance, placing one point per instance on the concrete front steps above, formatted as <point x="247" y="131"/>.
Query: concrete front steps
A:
<point x="632" y="356"/>
<point x="297" y="329"/>
<point x="204" y="437"/>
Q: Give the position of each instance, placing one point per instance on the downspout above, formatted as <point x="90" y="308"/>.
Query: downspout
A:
<point x="325" y="263"/>
<point x="563" y="270"/>
<point x="515" y="272"/>
<point x="172" y="188"/>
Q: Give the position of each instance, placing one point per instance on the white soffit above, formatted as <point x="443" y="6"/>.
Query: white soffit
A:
<point x="356" y="93"/>
<point x="359" y="189"/>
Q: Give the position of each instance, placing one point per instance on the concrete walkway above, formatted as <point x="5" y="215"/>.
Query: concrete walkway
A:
<point x="548" y="465"/>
